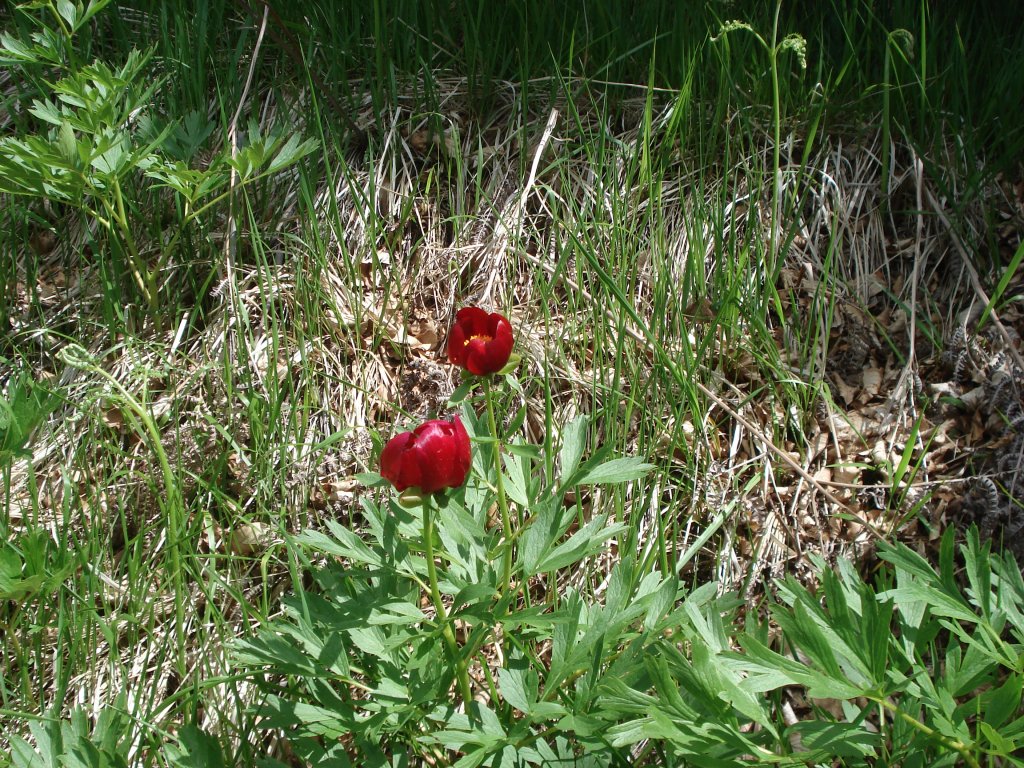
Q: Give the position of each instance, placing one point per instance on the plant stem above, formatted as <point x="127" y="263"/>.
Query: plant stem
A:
<point x="954" y="744"/>
<point x="773" y="58"/>
<point x="499" y="484"/>
<point x="462" y="671"/>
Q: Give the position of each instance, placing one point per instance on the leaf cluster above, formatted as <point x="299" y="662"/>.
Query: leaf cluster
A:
<point x="367" y="672"/>
<point x="100" y="146"/>
<point x="75" y="743"/>
<point x="913" y="670"/>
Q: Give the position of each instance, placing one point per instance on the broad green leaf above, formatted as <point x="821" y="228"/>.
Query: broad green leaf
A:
<point x="615" y="471"/>
<point x="518" y="688"/>
<point x="836" y="739"/>
<point x="69" y="12"/>
<point x="574" y="439"/>
<point x="344" y="544"/>
<point x="516" y="480"/>
<point x="293" y="150"/>
<point x="585" y="542"/>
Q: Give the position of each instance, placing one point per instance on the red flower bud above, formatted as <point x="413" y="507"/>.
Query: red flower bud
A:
<point x="479" y="342"/>
<point x="433" y="456"/>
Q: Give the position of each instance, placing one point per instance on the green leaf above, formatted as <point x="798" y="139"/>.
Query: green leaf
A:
<point x="195" y="749"/>
<point x="518" y="687"/>
<point x="574" y="439"/>
<point x="516" y="479"/>
<point x="371" y="479"/>
<point x="836" y="739"/>
<point x="293" y="150"/>
<point x="615" y="471"/>
<point x="585" y="542"/>
<point x="396" y="612"/>
<point x="461" y="392"/>
<point x="68" y="12"/>
<point x="764" y="670"/>
<point x="344" y="544"/>
<point x="66" y="142"/>
<point x="1001" y="703"/>
<point x="566" y="620"/>
<point x="999" y="743"/>
<point x="91" y="10"/>
<point x="664" y="597"/>
<point x="939" y="603"/>
<point x="525" y="450"/>
<point x="552" y="520"/>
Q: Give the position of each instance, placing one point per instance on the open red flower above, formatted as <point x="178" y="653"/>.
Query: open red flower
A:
<point x="433" y="456"/>
<point x="480" y="342"/>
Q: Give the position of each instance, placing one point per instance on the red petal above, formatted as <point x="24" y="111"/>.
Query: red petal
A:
<point x="457" y="345"/>
<point x="480" y="342"/>
<point x="398" y="463"/>
<point x="473" y="320"/>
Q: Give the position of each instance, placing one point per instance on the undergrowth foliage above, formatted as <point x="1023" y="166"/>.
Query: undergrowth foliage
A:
<point x="97" y="146"/>
<point x="617" y="666"/>
<point x="640" y="670"/>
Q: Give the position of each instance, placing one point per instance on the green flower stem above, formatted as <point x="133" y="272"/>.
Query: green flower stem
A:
<point x="954" y="744"/>
<point x="462" y="670"/>
<point x="499" y="483"/>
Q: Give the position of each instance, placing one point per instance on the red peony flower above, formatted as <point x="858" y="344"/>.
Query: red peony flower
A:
<point x="433" y="456"/>
<point x="480" y="342"/>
